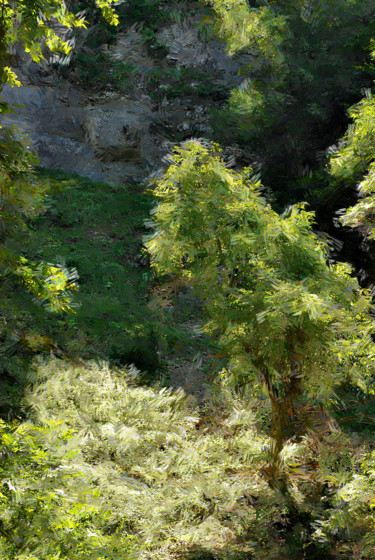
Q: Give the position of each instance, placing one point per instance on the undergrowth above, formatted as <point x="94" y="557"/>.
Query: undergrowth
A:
<point x="175" y="82"/>
<point x="92" y="68"/>
<point x="112" y="470"/>
<point x="96" y="229"/>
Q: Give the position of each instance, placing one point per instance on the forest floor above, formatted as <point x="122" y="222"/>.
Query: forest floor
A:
<point x="98" y="229"/>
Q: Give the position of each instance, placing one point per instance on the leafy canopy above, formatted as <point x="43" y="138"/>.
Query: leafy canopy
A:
<point x="269" y="292"/>
<point x="28" y="21"/>
<point x="288" y="320"/>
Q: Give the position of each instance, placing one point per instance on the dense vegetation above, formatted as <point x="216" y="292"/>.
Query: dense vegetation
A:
<point x="100" y="459"/>
<point x="311" y="61"/>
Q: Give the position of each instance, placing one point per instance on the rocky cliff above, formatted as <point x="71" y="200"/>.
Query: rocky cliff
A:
<point x="116" y="134"/>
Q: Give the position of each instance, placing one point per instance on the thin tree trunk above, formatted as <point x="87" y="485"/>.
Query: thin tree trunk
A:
<point x="279" y="418"/>
<point x="281" y="405"/>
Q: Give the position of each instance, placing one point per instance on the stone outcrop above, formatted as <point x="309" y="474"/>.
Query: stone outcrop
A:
<point x="111" y="137"/>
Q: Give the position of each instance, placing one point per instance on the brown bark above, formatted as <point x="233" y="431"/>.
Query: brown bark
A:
<point x="282" y="405"/>
<point x="279" y="418"/>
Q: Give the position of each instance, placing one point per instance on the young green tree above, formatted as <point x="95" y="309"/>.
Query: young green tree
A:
<point x="287" y="318"/>
<point x="310" y="60"/>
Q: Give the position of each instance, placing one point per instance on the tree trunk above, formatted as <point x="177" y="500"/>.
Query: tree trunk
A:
<point x="281" y="406"/>
<point x="279" y="418"/>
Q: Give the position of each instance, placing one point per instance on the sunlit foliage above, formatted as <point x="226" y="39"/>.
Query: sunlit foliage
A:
<point x="103" y="464"/>
<point x="353" y="162"/>
<point x="28" y="22"/>
<point x="104" y="469"/>
<point x="283" y="314"/>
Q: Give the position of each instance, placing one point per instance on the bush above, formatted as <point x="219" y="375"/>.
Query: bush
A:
<point x="118" y="463"/>
<point x="106" y="469"/>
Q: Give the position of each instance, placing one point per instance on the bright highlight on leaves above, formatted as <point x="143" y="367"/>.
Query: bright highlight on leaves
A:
<point x="29" y="22"/>
<point x="290" y="321"/>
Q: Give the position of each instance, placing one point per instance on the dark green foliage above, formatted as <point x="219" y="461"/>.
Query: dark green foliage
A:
<point x="176" y="82"/>
<point x="97" y="228"/>
<point x="309" y="64"/>
<point x="96" y="70"/>
<point x="22" y="198"/>
<point x="91" y="66"/>
<point x="152" y="13"/>
<point x="355" y="411"/>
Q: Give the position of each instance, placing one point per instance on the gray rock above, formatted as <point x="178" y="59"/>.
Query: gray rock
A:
<point x="110" y="137"/>
<point x="117" y="129"/>
<point x="105" y="139"/>
<point x="57" y="152"/>
<point x="188" y="49"/>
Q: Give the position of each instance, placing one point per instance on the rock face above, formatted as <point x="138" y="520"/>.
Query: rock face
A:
<point x="105" y="139"/>
<point x="118" y="131"/>
<point x="51" y="118"/>
<point x="112" y="137"/>
<point x="190" y="48"/>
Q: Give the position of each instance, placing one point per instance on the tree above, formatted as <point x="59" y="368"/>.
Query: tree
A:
<point x="288" y="319"/>
<point x="310" y="60"/>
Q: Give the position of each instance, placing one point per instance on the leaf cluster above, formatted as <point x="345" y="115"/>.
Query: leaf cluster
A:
<point x="22" y="197"/>
<point x="50" y="507"/>
<point x="353" y="162"/>
<point x="123" y="465"/>
<point x="106" y="469"/>
<point x="271" y="295"/>
<point x="27" y="22"/>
